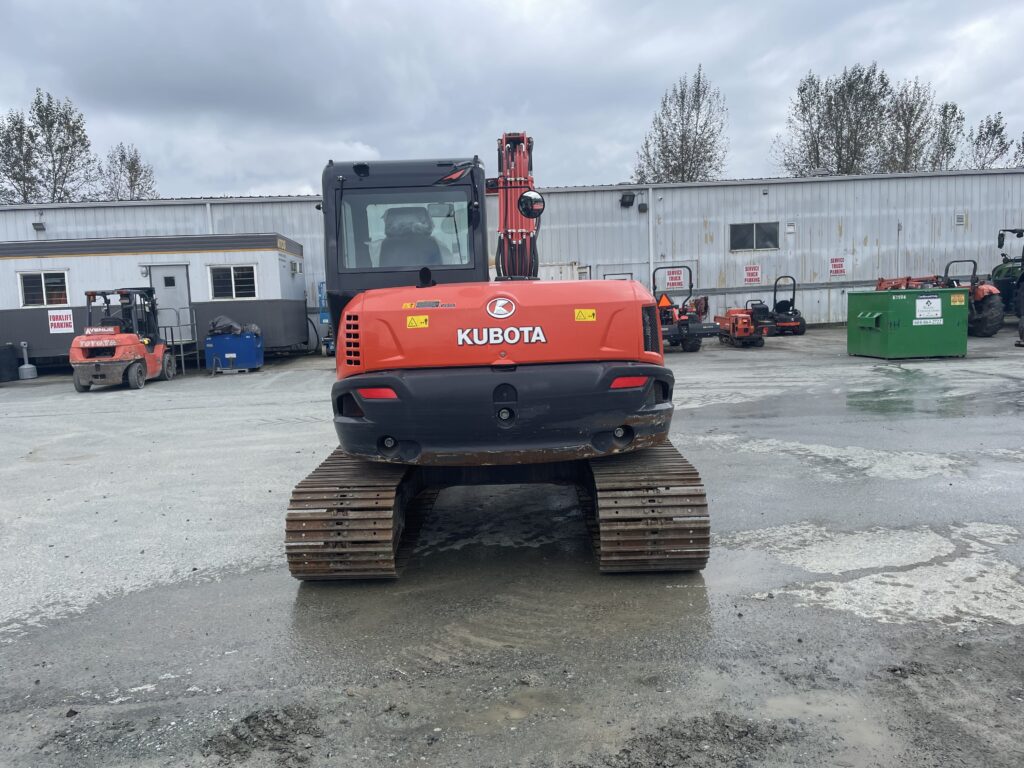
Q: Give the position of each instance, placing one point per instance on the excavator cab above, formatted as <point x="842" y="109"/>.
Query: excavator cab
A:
<point x="402" y="223"/>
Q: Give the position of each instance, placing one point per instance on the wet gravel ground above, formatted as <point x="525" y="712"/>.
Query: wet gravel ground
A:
<point x="863" y="606"/>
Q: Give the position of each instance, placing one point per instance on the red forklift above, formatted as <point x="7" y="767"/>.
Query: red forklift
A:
<point x="121" y="343"/>
<point x="683" y="324"/>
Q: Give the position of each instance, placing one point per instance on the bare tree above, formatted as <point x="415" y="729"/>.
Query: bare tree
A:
<point x="947" y="137"/>
<point x="124" y="176"/>
<point x="66" y="165"/>
<point x="910" y="128"/>
<point x="987" y="144"/>
<point x="687" y="140"/>
<point x="833" y="124"/>
<point x="18" y="180"/>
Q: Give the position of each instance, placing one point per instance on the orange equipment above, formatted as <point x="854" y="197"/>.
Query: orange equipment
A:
<point x="737" y="327"/>
<point x="445" y="377"/>
<point x="123" y="346"/>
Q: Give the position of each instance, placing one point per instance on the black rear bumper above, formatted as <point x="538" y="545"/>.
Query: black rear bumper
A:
<point x="487" y="416"/>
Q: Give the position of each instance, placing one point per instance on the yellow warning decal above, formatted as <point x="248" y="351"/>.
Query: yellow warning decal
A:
<point x="585" y="315"/>
<point x="417" y="321"/>
<point x="409" y="305"/>
<point x="957" y="299"/>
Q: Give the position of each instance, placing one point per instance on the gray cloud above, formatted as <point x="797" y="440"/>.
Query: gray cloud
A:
<point x="253" y="97"/>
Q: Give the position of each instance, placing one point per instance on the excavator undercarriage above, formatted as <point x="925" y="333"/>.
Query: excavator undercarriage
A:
<point x="353" y="519"/>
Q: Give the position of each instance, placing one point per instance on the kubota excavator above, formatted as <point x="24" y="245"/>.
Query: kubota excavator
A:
<point x="446" y="377"/>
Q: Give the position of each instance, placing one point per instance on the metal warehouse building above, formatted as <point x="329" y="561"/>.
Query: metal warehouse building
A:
<point x="831" y="233"/>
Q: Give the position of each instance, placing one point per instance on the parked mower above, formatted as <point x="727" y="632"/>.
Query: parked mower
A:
<point x="985" y="311"/>
<point x="683" y="324"/>
<point x="784" y="314"/>
<point x="122" y="345"/>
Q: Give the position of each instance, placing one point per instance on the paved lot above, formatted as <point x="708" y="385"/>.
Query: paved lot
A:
<point x="863" y="606"/>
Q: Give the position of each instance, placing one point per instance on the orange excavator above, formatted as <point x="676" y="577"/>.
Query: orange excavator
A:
<point x="446" y="377"/>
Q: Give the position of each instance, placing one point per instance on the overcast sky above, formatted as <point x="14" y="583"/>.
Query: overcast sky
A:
<point x="253" y="97"/>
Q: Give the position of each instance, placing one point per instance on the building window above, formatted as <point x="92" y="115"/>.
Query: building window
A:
<point x="761" y="236"/>
<point x="233" y="282"/>
<point x="44" y="289"/>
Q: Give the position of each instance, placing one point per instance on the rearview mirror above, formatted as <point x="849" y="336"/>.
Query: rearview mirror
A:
<point x="531" y="204"/>
<point x="1001" y="240"/>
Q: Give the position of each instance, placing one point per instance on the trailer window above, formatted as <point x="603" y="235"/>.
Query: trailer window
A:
<point x="405" y="229"/>
<point x="759" y="236"/>
<point x="233" y="282"/>
<point x="44" y="289"/>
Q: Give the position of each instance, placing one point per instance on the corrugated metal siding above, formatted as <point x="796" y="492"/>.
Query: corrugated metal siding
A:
<point x="883" y="226"/>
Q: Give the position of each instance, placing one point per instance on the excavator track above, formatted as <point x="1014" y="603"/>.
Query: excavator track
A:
<point x="346" y="519"/>
<point x="648" y="512"/>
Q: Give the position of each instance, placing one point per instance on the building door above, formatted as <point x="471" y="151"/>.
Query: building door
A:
<point x="173" y="301"/>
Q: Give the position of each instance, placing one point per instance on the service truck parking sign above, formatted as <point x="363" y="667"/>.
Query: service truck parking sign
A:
<point x="752" y="274"/>
<point x="674" y="278"/>
<point x="61" y="321"/>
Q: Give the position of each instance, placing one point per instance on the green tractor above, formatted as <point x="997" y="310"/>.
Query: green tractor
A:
<point x="1008" y="277"/>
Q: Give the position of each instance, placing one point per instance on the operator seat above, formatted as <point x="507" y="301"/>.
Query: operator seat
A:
<point x="407" y="240"/>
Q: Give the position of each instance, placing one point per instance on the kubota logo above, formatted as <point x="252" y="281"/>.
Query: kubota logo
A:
<point x="501" y="309"/>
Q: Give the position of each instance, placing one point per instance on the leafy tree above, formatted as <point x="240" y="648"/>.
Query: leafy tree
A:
<point x="65" y="164"/>
<point x="910" y="127"/>
<point x="833" y="126"/>
<point x="686" y="141"/>
<point x="18" y="180"/>
<point x="987" y="144"/>
<point x="46" y="157"/>
<point x="124" y="176"/>
<point x="1018" y="154"/>
<point x="947" y="137"/>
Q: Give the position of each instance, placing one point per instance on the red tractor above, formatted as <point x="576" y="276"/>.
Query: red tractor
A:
<point x="985" y="312"/>
<point x="121" y="344"/>
<point x="683" y="324"/>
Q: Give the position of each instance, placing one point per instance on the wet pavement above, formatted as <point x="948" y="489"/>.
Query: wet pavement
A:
<point x="863" y="605"/>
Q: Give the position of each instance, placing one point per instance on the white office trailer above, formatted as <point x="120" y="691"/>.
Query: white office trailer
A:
<point x="832" y="234"/>
<point x="252" y="278"/>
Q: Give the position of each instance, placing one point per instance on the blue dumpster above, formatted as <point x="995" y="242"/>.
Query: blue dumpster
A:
<point x="234" y="351"/>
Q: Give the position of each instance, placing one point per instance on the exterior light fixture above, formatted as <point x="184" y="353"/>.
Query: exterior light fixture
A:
<point x="39" y="226"/>
<point x="627" y="199"/>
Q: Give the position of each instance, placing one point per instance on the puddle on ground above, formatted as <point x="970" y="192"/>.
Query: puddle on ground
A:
<point x="838" y="462"/>
<point x="951" y="575"/>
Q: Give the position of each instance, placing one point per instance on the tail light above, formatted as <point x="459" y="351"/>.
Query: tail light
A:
<point x="629" y="382"/>
<point x="377" y="393"/>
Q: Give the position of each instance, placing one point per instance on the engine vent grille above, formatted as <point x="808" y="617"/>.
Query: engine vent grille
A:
<point x="652" y="343"/>
<point x="350" y="332"/>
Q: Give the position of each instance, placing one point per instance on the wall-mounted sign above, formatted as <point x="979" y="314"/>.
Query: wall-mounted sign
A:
<point x="837" y="266"/>
<point x="752" y="274"/>
<point x="674" y="278"/>
<point x="61" y="321"/>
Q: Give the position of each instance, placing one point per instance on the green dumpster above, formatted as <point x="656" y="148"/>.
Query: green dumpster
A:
<point x="914" y="323"/>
